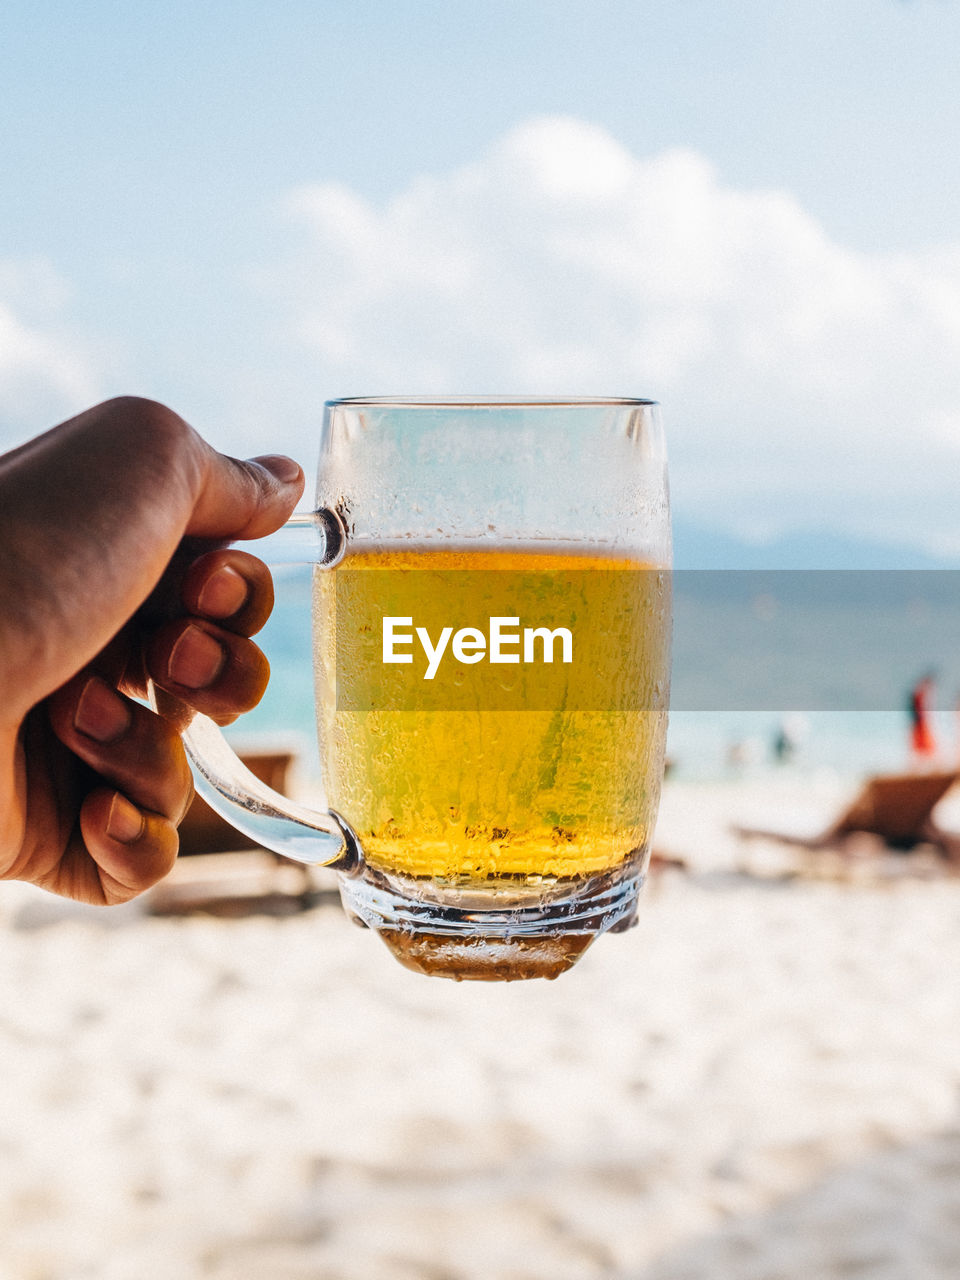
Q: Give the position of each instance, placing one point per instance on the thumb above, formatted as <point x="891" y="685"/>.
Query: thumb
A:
<point x="236" y="499"/>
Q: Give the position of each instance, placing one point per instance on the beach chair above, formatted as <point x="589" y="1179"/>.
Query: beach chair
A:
<point x="222" y="872"/>
<point x="204" y="831"/>
<point x="895" y="807"/>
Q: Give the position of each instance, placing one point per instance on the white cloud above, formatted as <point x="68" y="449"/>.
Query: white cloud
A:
<point x="44" y="372"/>
<point x="802" y="381"/>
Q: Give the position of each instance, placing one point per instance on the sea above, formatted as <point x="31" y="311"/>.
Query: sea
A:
<point x="773" y="671"/>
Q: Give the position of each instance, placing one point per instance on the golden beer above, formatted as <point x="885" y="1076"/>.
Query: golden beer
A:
<point x="488" y="776"/>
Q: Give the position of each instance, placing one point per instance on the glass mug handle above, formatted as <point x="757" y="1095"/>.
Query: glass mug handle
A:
<point x="319" y="839"/>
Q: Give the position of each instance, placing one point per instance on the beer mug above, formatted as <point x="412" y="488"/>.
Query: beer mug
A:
<point x="491" y="624"/>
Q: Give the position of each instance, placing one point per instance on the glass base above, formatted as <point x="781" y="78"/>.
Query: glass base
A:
<point x="501" y="932"/>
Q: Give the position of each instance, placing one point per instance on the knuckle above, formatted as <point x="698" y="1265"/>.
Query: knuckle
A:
<point x="167" y="443"/>
<point x="160" y="421"/>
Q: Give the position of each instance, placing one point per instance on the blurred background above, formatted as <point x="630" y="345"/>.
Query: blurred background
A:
<point x="748" y="211"/>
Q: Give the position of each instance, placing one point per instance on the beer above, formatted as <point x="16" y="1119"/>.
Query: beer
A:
<point x="541" y="766"/>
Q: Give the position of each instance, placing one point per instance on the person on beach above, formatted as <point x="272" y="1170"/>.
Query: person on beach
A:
<point x="923" y="743"/>
<point x="114" y="573"/>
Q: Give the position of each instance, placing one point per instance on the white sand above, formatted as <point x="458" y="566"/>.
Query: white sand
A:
<point x="760" y="1082"/>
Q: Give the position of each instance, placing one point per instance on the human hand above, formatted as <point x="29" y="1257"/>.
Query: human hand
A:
<point x="112" y="572"/>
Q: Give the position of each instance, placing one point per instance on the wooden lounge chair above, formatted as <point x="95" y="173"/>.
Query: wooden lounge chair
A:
<point x="896" y="807"/>
<point x="226" y="873"/>
<point x="204" y="831"/>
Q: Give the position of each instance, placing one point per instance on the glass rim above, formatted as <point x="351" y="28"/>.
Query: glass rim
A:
<point x="493" y="402"/>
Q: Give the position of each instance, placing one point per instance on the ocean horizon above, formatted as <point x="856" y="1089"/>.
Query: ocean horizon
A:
<point x="712" y="744"/>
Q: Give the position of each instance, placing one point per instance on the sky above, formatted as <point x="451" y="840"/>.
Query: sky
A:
<point x="749" y="211"/>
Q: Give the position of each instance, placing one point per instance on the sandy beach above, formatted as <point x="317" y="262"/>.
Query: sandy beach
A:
<point x="759" y="1082"/>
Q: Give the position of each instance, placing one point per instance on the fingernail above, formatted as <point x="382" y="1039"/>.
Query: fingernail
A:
<point x="196" y="659"/>
<point x="223" y="593"/>
<point x="285" y="469"/>
<point x="101" y="714"/>
<point x="125" y="821"/>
